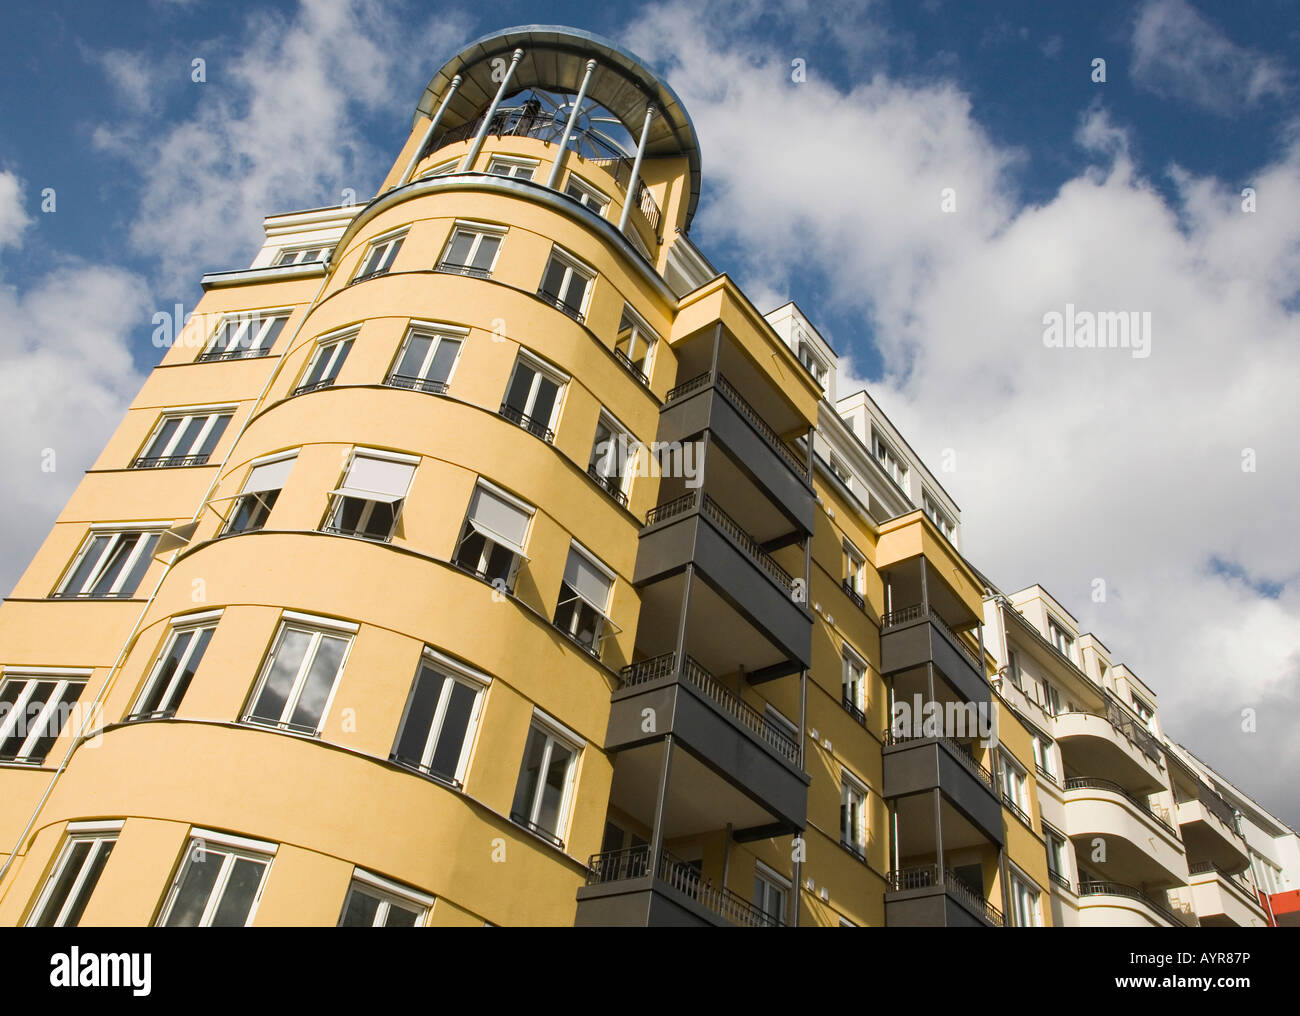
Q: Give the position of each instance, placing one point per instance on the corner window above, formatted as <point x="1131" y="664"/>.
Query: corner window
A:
<point x="34" y="708"/>
<point x="258" y="496"/>
<point x="69" y="888"/>
<point x="441" y="715"/>
<point x="582" y="612"/>
<point x="545" y="785"/>
<point x="635" y="344"/>
<point x="369" y="501"/>
<point x="427" y="359"/>
<point x="533" y="397"/>
<point x="516" y="169"/>
<point x="183" y="439"/>
<point x="174" y="670"/>
<point x="241" y="336"/>
<point x="938" y="516"/>
<point x="374" y="902"/>
<point x="326" y="362"/>
<point x="379" y="256"/>
<point x="298" y="678"/>
<point x="491" y="543"/>
<point x="472" y="250"/>
<point x="586" y="195"/>
<point x="566" y="284"/>
<point x="218" y="886"/>
<point x="109" y="564"/>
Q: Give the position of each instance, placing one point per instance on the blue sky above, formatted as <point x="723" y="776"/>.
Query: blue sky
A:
<point x="1117" y="195"/>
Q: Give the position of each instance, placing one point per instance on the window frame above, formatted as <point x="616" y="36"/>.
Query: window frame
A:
<point x="850" y="785"/>
<point x="264" y="499"/>
<point x="637" y="328"/>
<point x="437" y="333"/>
<point x="773" y="880"/>
<point x="63" y="679"/>
<point x="233" y="848"/>
<point x="848" y="658"/>
<point x="884" y="452"/>
<point x="936" y="514"/>
<point x="98" y="835"/>
<point x="244" y="320"/>
<point x="329" y="344"/>
<point x="619" y="482"/>
<point x="555" y="733"/>
<point x="574" y="268"/>
<point x="116" y="533"/>
<point x="518" y="554"/>
<point x="387" y="892"/>
<point x="391" y="243"/>
<point x="318" y="628"/>
<point x="512" y="163"/>
<point x="1024" y="888"/>
<point x="209" y="414"/>
<point x="454" y="671"/>
<point x="604" y="623"/>
<point x="193" y="625"/>
<point x="338" y="501"/>
<point x="541" y="369"/>
<point x="479" y="231"/>
<point x="588" y="193"/>
<point x="324" y="249"/>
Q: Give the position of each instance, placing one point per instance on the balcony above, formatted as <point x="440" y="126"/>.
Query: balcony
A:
<point x="1140" y="840"/>
<point x="1211" y="830"/>
<point x="914" y="636"/>
<point x="416" y="384"/>
<point x="694" y="530"/>
<point x="733" y="739"/>
<point x="1111" y="904"/>
<point x="535" y="427"/>
<point x="620" y="892"/>
<point x="930" y="896"/>
<point x="1222" y="899"/>
<point x="1092" y="743"/>
<point x="915" y="765"/>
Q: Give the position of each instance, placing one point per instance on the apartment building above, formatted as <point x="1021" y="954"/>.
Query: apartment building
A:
<point x="482" y="555"/>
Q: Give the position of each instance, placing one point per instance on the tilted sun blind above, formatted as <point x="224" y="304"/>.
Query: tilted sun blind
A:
<point x="498" y="519"/>
<point x="268" y="476"/>
<point x="588" y="581"/>
<point x="372" y="479"/>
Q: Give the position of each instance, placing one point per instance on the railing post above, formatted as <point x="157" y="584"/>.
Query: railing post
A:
<point x="477" y="147"/>
<point x="563" y="153"/>
<point x="433" y="126"/>
<point x="661" y="805"/>
<point x="632" y="194"/>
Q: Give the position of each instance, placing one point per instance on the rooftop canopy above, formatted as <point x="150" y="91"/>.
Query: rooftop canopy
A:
<point x="555" y="60"/>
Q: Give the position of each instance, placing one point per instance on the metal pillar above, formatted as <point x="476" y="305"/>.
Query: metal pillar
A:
<point x="562" y="154"/>
<point x="477" y="147"/>
<point x="428" y="133"/>
<point x="632" y="187"/>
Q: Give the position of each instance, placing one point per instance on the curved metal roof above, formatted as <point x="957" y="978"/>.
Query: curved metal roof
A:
<point x="555" y="59"/>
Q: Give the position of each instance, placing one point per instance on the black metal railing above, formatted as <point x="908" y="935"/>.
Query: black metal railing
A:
<point x="1016" y="810"/>
<point x="420" y="767"/>
<point x="688" y="386"/>
<point x="559" y="304"/>
<point x="906" y="615"/>
<point x="1094" y="887"/>
<point x="1060" y="880"/>
<point x="534" y="427"/>
<point x="1110" y="786"/>
<point x="853" y="710"/>
<point x="630" y="367"/>
<point x="1133" y="730"/>
<point x="359" y="534"/>
<point x="519" y="819"/>
<point x="634" y="862"/>
<point x="665" y="665"/>
<point x="611" y="485"/>
<point x="853" y="848"/>
<point x="313" y="387"/>
<point x="451" y="268"/>
<point x="368" y="275"/>
<point x="1050" y="777"/>
<point x="682" y="505"/>
<point x="168" y="461"/>
<point x="964" y="756"/>
<point x="1219" y="808"/>
<point x="214" y="355"/>
<point x="1237" y="880"/>
<point x="927" y="875"/>
<point x="854" y="595"/>
<point x="416" y="384"/>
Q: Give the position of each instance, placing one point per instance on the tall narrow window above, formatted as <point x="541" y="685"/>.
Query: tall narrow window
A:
<point x="587" y="195"/>
<point x="853" y="815"/>
<point x="582" y="612"/>
<point x="611" y="452"/>
<point x="1056" y="863"/>
<point x="298" y="679"/>
<point x="373" y="902"/>
<point x="770" y="894"/>
<point x="855" y="574"/>
<point x="813" y="362"/>
<point x="545" y="783"/>
<point x="369" y="501"/>
<point x="378" y="259"/>
<point x="1014" y="785"/>
<point x="174" y="670"/>
<point x="69" y="888"/>
<point x="109" y="564"/>
<point x="566" y="284"/>
<point x="492" y="540"/>
<point x="533" y="398"/>
<point x="937" y="515"/>
<point x="258" y="496"/>
<point x="516" y="169"/>
<point x="326" y="362"/>
<point x="442" y="712"/>
<point x="218" y="886"/>
<point x="889" y="459"/>
<point x="241" y="336"/>
<point x="854" y="685"/>
<point x="1024" y="897"/>
<point x="1059" y="637"/>
<point x="34" y="708"/>
<point x="472" y="250"/>
<point x="185" y="439"/>
<point x="635" y="344"/>
<point x="426" y="360"/>
<point x="1013" y="669"/>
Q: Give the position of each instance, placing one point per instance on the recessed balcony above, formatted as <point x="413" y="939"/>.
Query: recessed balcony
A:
<point x="1092" y="743"/>
<point x="914" y="765"/>
<point x="1211" y="831"/>
<point x="1223" y="899"/>
<point x="913" y="636"/>
<point x="931" y="896"/>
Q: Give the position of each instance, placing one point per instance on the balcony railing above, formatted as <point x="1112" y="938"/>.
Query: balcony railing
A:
<point x="313" y="387"/>
<point x="1060" y="880"/>
<point x="611" y="485"/>
<point x="559" y="304"/>
<point x="906" y="615"/>
<point x="1133" y="730"/>
<point x="854" y="595"/>
<point x="853" y="709"/>
<point x="520" y="819"/>
<point x="1093" y="887"/>
<point x="927" y="875"/>
<point x="630" y="367"/>
<point x="1219" y="808"/>
<point x="416" y="384"/>
<point x="1110" y="786"/>
<point x="535" y="427"/>
<point x="1238" y="881"/>
<point x="634" y="862"/>
<point x="214" y="355"/>
<point x="451" y="268"/>
<point x="168" y="461"/>
<point x="710" y="687"/>
<point x="964" y="756"/>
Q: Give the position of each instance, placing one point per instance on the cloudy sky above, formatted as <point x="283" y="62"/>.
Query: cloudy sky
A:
<point x="1172" y="477"/>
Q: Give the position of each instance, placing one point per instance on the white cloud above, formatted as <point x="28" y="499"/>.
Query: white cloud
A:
<point x="1072" y="464"/>
<point x="13" y="216"/>
<point x="134" y="77"/>
<point x="1178" y="53"/>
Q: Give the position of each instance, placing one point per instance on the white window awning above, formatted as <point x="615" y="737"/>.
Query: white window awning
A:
<point x="373" y="479"/>
<point x="589" y="582"/>
<point x="498" y="519"/>
<point x="497" y="538"/>
<point x="268" y="476"/>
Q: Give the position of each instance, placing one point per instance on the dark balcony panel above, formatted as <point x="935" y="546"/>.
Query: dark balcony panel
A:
<point x="640" y="903"/>
<point x="714" y="725"/>
<point x="910" y="638"/>
<point x="923" y="898"/>
<point x="771" y="465"/>
<point x="916" y="766"/>
<point x="744" y="579"/>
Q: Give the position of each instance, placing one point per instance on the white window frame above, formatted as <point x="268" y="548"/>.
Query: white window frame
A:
<point x="541" y="369"/>
<point x="233" y="848"/>
<point x="632" y="322"/>
<point x="63" y="678"/>
<point x="143" y="530"/>
<point x="479" y="230"/>
<point x="338" y="501"/>
<point x="855" y="576"/>
<point x="812" y="360"/>
<point x="441" y="169"/>
<point x="99" y="839"/>
<point x="850" y="785"/>
<point x="242" y="321"/>
<point x="451" y="670"/>
<point x="512" y="164"/>
<point x="330" y="345"/>
<point x="849" y="657"/>
<point x="260" y="496"/>
<point x="1060" y="638"/>
<point x="894" y="465"/>
<point x="574" y="269"/>
<point x="391" y="244"/>
<point x="1025" y="894"/>
<point x="191" y="624"/>
<point x="437" y="333"/>
<point x="519" y="555"/>
<point x="1014" y="781"/>
<point x="587" y="195"/>
<point x="938" y="516"/>
<point x="556" y="733"/>
<point x="209" y="414"/>
<point x="387" y="892"/>
<point x="323" y="249"/>
<point x="778" y="883"/>
<point x="604" y="626"/>
<point x="317" y="628"/>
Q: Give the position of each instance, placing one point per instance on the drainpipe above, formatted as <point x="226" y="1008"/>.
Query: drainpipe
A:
<point x="477" y="147"/>
<point x="428" y="133"/>
<point x="560" y="156"/>
<point x="636" y="169"/>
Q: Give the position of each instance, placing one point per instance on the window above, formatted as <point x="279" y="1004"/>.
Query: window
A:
<point x="889" y="459"/>
<point x="566" y="284"/>
<point x="1060" y="638"/>
<point x="545" y="782"/>
<point x="303" y="255"/>
<point x="69" y="888"/>
<point x="1024" y="900"/>
<point x="533" y="398"/>
<point x="374" y="902"/>
<point x="369" y="501"/>
<point x="610" y="451"/>
<point x="298" y="678"/>
<point x="809" y="358"/>
<point x="33" y="709"/>
<point x="1145" y="711"/>
<point x="853" y="814"/>
<point x="1015" y="791"/>
<point x="1051" y="699"/>
<point x="472" y="250"/>
<point x="183" y="440"/>
<point x="326" y="363"/>
<point x="492" y="541"/>
<point x="441" y="715"/>
<point x="937" y="515"/>
<point x="442" y="169"/>
<point x="841" y="472"/>
<point x="258" y="496"/>
<point x="770" y="893"/>
<point x="218" y="886"/>
<point x="636" y="343"/>
<point x="174" y="670"/>
<point x="1056" y="864"/>
<point x="583" y="608"/>
<point x="1013" y="669"/>
<point x="587" y="195"/>
<point x="379" y="256"/>
<point x="427" y="358"/>
<point x="240" y="336"/>
<point x="1043" y="756"/>
<point x="517" y="169"/>
<point x="854" y="684"/>
<point x="109" y="564"/>
<point x="855" y="570"/>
